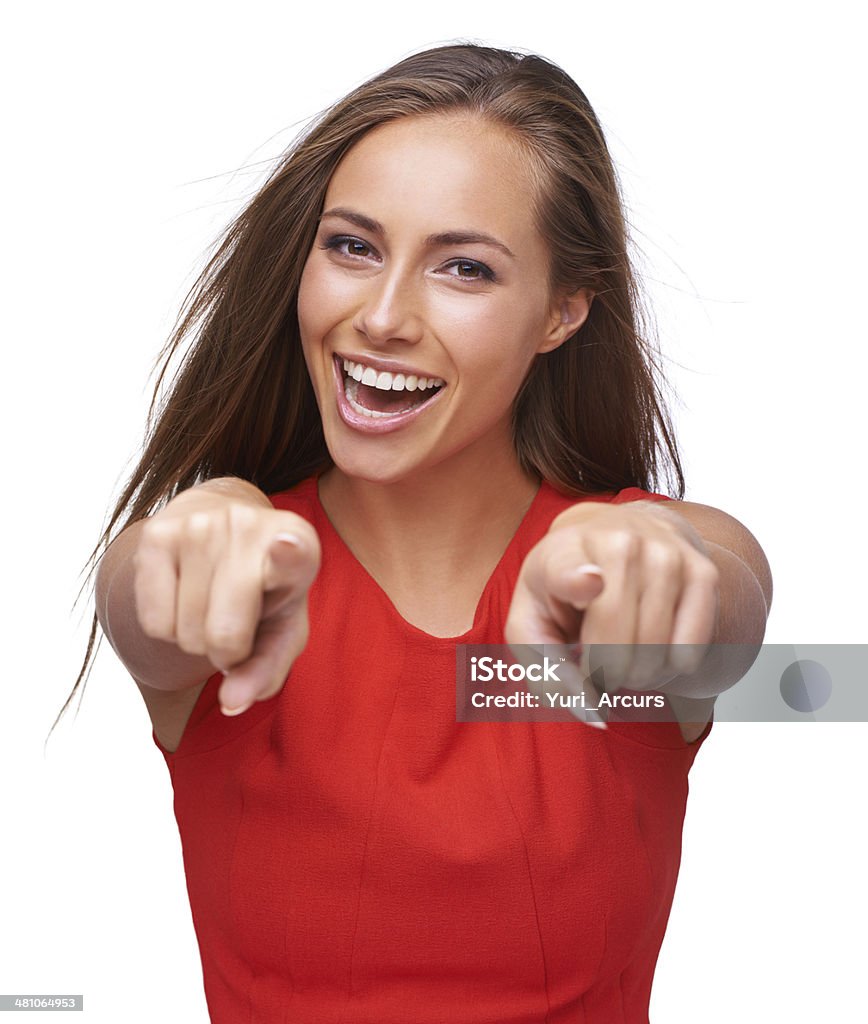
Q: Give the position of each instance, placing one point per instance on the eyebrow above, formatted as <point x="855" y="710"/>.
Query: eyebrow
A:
<point x="442" y="238"/>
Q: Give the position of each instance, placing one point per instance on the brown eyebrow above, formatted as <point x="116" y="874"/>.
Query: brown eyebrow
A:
<point x="443" y="238"/>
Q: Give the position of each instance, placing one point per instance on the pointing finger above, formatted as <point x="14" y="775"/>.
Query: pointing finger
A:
<point x="576" y="586"/>
<point x="290" y="563"/>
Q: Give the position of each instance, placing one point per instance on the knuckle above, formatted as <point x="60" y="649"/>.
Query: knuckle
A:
<point x="242" y="519"/>
<point x="190" y="636"/>
<point x="228" y="638"/>
<point x="157" y="533"/>
<point x="624" y="543"/>
<point x="643" y="672"/>
<point x="664" y="560"/>
<point x="198" y="526"/>
<point x="153" y="624"/>
<point x="150" y="614"/>
<point x="707" y="572"/>
<point x="692" y="656"/>
<point x="191" y="643"/>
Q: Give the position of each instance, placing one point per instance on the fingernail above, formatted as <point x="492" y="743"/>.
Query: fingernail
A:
<point x="589" y="569"/>
<point x="589" y="717"/>
<point x="235" y="711"/>
<point x="574" y="683"/>
<point x="288" y="538"/>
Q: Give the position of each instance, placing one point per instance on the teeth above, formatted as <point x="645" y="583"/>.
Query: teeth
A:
<point x="389" y="381"/>
<point x="351" y="391"/>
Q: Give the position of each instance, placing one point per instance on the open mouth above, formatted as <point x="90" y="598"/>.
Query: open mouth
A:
<point x="378" y="395"/>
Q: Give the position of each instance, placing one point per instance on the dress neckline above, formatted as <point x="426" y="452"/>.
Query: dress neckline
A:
<point x="409" y="627"/>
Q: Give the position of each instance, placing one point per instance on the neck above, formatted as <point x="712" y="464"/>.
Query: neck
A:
<point x="438" y="524"/>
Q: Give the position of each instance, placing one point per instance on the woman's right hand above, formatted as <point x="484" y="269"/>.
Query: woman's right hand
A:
<point x="221" y="573"/>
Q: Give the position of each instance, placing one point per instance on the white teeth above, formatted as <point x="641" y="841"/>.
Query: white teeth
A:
<point x="389" y="381"/>
<point x="351" y="392"/>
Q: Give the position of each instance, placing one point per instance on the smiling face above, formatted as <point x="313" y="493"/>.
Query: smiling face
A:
<point x="425" y="298"/>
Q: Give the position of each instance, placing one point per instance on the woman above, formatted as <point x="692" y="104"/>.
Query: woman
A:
<point x="419" y="412"/>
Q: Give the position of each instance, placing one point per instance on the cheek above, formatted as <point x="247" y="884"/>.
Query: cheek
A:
<point x="307" y="304"/>
<point x="503" y="346"/>
<point x="325" y="300"/>
<point x="314" y="325"/>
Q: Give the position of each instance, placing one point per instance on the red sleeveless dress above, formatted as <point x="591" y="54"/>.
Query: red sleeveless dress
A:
<point x="355" y="855"/>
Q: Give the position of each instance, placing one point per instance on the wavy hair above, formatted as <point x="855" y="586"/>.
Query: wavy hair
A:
<point x="589" y="417"/>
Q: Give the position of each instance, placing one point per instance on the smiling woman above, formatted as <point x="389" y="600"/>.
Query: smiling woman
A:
<point x="419" y="411"/>
<point x="454" y="289"/>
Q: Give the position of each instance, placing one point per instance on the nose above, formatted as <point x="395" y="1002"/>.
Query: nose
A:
<point x="389" y="310"/>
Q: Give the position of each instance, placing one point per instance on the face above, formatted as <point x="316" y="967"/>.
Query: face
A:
<point x="425" y="299"/>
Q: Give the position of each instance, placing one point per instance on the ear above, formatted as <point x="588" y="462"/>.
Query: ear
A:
<point x="568" y="313"/>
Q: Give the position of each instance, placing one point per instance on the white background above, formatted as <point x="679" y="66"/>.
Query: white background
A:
<point x="132" y="136"/>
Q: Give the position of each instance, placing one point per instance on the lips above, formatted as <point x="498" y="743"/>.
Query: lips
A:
<point x="372" y="409"/>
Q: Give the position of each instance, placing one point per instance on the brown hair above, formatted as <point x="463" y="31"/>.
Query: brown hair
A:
<point x="589" y="417"/>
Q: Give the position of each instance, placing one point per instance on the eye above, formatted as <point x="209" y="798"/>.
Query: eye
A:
<point x="347" y="245"/>
<point x="471" y="270"/>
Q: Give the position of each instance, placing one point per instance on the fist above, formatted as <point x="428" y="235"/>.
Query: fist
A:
<point x="636" y="578"/>
<point x="221" y="573"/>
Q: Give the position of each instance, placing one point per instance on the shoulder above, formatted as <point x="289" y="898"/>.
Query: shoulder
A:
<point x="718" y="527"/>
<point x="552" y="501"/>
<point x="302" y="490"/>
<point x="302" y="498"/>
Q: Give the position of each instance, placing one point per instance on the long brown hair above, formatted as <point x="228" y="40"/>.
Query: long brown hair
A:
<point x="589" y="417"/>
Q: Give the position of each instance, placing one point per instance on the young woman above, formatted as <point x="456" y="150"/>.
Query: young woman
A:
<point x="419" y="411"/>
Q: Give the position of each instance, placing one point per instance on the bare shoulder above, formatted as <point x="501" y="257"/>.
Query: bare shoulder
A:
<point x="719" y="527"/>
<point x="170" y="711"/>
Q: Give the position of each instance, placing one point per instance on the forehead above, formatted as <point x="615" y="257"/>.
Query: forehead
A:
<point x="439" y="173"/>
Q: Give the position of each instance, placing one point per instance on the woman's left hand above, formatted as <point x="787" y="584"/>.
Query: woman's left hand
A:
<point x="626" y="575"/>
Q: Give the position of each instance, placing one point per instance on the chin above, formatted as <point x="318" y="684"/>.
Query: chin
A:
<point x="373" y="467"/>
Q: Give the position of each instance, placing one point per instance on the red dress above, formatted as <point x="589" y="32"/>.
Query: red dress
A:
<point x="355" y="855"/>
